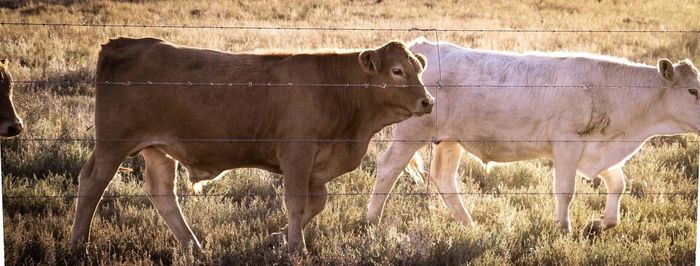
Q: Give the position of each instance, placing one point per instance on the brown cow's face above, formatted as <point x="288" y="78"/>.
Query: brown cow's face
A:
<point x="394" y="65"/>
<point x="681" y="98"/>
<point x="10" y="124"/>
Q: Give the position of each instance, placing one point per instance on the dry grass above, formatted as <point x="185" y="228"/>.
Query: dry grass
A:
<point x="655" y="229"/>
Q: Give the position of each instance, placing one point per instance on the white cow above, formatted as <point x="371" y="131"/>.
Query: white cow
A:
<point x="606" y="110"/>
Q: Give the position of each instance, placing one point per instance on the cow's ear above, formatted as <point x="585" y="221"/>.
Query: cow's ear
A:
<point x="370" y="61"/>
<point x="423" y="61"/>
<point x="666" y="70"/>
<point x="3" y="62"/>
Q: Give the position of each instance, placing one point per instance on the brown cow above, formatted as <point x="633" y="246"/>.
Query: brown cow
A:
<point x="10" y="123"/>
<point x="309" y="134"/>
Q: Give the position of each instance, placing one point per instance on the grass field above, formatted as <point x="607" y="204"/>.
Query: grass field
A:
<point x="235" y="228"/>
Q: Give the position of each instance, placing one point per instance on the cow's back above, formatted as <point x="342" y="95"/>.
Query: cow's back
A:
<point x="188" y="96"/>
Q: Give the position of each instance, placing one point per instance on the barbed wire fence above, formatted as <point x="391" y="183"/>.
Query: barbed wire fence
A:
<point x="252" y="85"/>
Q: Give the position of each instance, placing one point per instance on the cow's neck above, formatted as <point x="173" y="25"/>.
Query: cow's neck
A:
<point x="638" y="111"/>
<point x="363" y="115"/>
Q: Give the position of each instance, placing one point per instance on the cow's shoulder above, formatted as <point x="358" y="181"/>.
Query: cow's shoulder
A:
<point x="311" y="67"/>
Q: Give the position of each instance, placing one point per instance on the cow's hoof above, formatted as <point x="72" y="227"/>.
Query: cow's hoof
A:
<point x="593" y="229"/>
<point x="372" y="221"/>
<point x="78" y="254"/>
<point x="594" y="182"/>
<point x="637" y="189"/>
<point x="469" y="224"/>
<point x="196" y="251"/>
<point x="565" y="230"/>
<point x="298" y="252"/>
<point x="278" y="239"/>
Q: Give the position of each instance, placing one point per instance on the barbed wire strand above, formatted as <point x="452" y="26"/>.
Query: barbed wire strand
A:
<point x="693" y="193"/>
<point x="363" y="85"/>
<point x="426" y="141"/>
<point x="330" y="28"/>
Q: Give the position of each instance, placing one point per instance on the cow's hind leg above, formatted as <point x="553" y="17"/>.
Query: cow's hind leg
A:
<point x="389" y="166"/>
<point x="159" y="183"/>
<point x="94" y="177"/>
<point x="443" y="171"/>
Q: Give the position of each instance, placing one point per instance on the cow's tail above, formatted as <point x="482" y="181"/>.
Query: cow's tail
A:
<point x="416" y="169"/>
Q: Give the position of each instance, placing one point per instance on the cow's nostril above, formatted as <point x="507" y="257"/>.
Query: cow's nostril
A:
<point x="14" y="129"/>
<point x="425" y="103"/>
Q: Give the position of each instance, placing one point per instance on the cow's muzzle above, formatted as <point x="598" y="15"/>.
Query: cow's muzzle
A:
<point x="11" y="129"/>
<point x="426" y="105"/>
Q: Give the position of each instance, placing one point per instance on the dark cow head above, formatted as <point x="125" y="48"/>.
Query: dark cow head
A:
<point x="393" y="64"/>
<point x="681" y="97"/>
<point x="10" y="124"/>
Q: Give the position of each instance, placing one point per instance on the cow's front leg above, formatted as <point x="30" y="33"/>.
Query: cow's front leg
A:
<point x="566" y="157"/>
<point x="389" y="167"/>
<point x="315" y="203"/>
<point x="296" y="187"/>
<point x="297" y="168"/>
<point x="443" y="171"/>
<point x="615" y="182"/>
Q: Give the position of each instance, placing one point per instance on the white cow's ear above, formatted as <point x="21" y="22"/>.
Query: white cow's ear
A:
<point x="666" y="70"/>
<point x="422" y="60"/>
<point x="370" y="61"/>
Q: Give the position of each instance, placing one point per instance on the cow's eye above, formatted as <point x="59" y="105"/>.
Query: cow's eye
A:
<point x="397" y="71"/>
<point x="693" y="92"/>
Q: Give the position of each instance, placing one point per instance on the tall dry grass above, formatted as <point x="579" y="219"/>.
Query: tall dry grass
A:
<point x="235" y="229"/>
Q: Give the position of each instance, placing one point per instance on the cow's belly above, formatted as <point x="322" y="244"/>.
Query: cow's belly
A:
<point x="496" y="151"/>
<point x="206" y="161"/>
<point x="601" y="156"/>
<point x="334" y="160"/>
